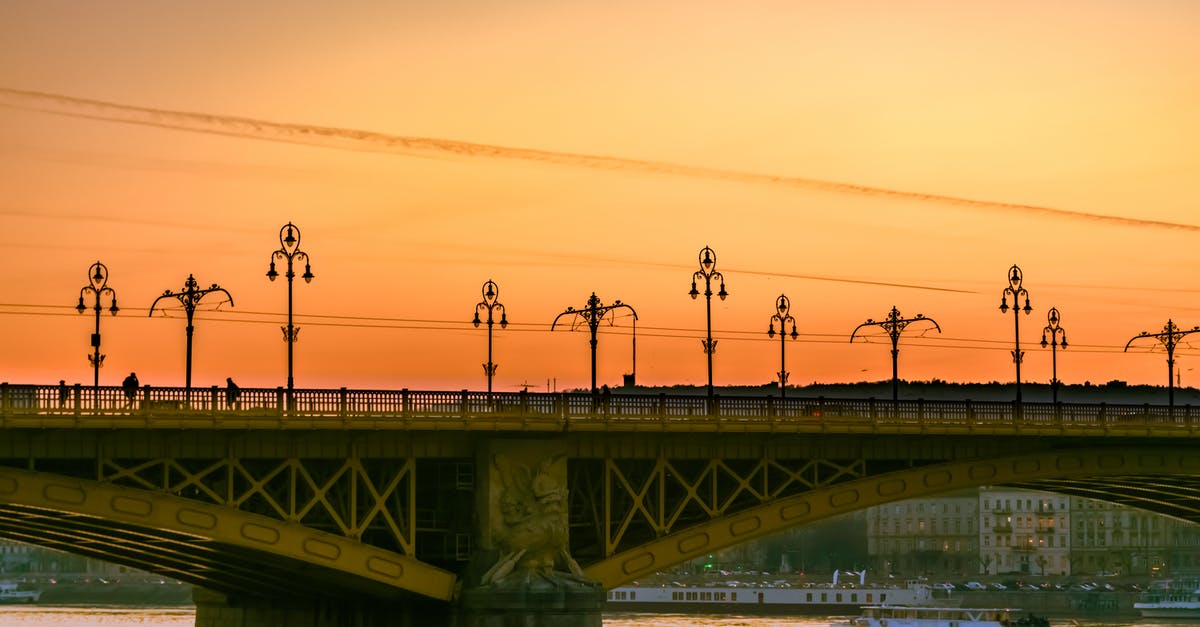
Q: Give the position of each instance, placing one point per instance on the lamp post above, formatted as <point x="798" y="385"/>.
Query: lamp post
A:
<point x="289" y="249"/>
<point x="894" y="325"/>
<point x="98" y="286"/>
<point x="592" y="313"/>
<point x="491" y="292"/>
<point x="1055" y="332"/>
<point x="190" y="298"/>
<point x="782" y="307"/>
<point x="708" y="272"/>
<point x="1015" y="278"/>
<point x="1169" y="336"/>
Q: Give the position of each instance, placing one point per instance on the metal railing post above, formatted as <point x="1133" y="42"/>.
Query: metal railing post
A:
<point x="77" y="399"/>
<point x="342" y="401"/>
<point x="464" y="408"/>
<point x="145" y="408"/>
<point x="215" y="399"/>
<point x="4" y="398"/>
<point x="280" y="401"/>
<point x="404" y="402"/>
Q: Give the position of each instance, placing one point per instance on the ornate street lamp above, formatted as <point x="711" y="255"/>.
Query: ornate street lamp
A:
<point x="190" y="298"/>
<point x="1055" y="332"/>
<point x="782" y="306"/>
<point x="591" y="314"/>
<point x="1016" y="291"/>
<point x="289" y="249"/>
<point x="98" y="286"/>
<point x="1170" y="337"/>
<point x="894" y="325"/>
<point x="708" y="272"/>
<point x="491" y="292"/>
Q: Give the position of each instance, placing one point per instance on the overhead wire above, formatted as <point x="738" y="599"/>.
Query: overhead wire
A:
<point x="680" y="333"/>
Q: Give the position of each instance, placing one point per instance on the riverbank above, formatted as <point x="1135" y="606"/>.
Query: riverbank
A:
<point x="169" y="594"/>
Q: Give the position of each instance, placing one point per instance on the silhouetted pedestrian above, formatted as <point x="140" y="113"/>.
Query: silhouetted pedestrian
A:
<point x="232" y="392"/>
<point x="63" y="393"/>
<point x="130" y="385"/>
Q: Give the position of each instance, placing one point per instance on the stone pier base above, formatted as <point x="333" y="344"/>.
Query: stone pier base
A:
<point x="530" y="602"/>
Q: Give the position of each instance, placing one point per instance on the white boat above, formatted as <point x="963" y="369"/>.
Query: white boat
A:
<point x="10" y="594"/>
<point x="778" y="598"/>
<point x="1170" y="599"/>
<point x="906" y="616"/>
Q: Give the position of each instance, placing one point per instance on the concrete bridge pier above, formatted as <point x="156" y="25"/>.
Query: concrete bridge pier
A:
<point x="523" y="574"/>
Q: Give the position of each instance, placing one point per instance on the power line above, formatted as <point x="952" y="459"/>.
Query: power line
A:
<point x="675" y="333"/>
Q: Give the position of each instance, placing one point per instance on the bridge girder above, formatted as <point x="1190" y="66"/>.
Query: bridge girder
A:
<point x="212" y="546"/>
<point x="1141" y="477"/>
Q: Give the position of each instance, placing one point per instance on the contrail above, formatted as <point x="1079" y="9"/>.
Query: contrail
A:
<point x="369" y="141"/>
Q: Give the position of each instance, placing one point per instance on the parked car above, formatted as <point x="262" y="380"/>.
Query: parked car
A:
<point x="975" y="585"/>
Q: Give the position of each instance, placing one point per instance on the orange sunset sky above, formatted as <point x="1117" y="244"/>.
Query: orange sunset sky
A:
<point x="566" y="147"/>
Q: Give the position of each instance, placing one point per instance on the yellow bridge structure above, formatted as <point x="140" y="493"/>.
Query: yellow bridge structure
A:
<point x="377" y="495"/>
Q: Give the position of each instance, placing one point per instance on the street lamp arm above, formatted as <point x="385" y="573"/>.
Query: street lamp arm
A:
<point x="936" y="326"/>
<point x="223" y="290"/>
<point x="868" y="323"/>
<point x="166" y="294"/>
<point x="625" y="306"/>
<point x="1133" y="339"/>
<point x="569" y="312"/>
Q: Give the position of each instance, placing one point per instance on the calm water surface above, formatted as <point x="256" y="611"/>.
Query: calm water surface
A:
<point x="180" y="617"/>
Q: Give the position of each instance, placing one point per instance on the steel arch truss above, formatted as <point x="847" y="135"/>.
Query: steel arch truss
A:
<point x="369" y="500"/>
<point x="1172" y="495"/>
<point x="645" y="499"/>
<point x="209" y="545"/>
<point x="1165" y="479"/>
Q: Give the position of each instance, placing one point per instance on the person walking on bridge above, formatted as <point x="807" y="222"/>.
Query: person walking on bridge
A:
<point x="232" y="393"/>
<point x="130" y="386"/>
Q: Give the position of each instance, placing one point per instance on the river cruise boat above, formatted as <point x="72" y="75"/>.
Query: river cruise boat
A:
<point x="1170" y="599"/>
<point x="766" y="599"/>
<point x="905" y="616"/>
<point x="10" y="593"/>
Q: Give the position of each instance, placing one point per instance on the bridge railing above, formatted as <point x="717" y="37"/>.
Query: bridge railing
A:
<point x="630" y="410"/>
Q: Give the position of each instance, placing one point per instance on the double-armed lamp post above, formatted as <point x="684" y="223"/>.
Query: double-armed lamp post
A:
<point x="591" y="314"/>
<point x="98" y="287"/>
<point x="289" y="250"/>
<point x="782" y="316"/>
<point x="1058" y="337"/>
<point x="190" y="298"/>
<point x="708" y="272"/>
<point x="1169" y="337"/>
<point x="491" y="292"/>
<point x="1014" y="289"/>
<point x="894" y="325"/>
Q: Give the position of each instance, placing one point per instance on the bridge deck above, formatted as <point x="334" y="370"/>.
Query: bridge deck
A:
<point x="39" y="406"/>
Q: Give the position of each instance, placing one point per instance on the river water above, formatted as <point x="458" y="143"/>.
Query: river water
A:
<point x="61" y="616"/>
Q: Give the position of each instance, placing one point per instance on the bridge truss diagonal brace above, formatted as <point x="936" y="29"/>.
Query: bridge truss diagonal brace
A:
<point x="350" y="495"/>
<point x="222" y="526"/>
<point x="661" y="494"/>
<point x="866" y="491"/>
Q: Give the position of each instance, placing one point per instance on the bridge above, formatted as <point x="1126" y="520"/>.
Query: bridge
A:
<point x="399" y="498"/>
